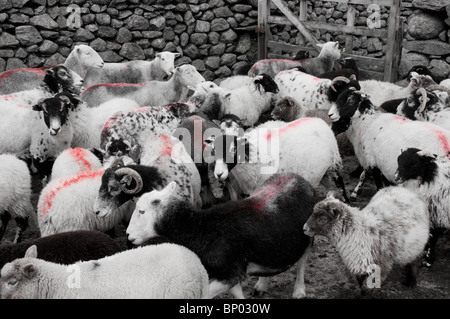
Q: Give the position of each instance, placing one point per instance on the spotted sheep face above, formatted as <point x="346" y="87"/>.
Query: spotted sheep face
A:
<point x="325" y="216"/>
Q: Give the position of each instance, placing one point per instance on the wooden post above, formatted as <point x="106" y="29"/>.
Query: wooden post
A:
<point x="351" y="23"/>
<point x="262" y="29"/>
<point x="393" y="47"/>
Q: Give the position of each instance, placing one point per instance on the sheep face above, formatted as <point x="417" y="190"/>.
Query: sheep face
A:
<point x="149" y="207"/>
<point x="55" y="113"/>
<point x="350" y="103"/>
<point x="414" y="164"/>
<point x="64" y="79"/>
<point x="285" y="110"/>
<point x="189" y="75"/>
<point x="201" y="91"/>
<point x="166" y="61"/>
<point x="418" y="103"/>
<point x="326" y="215"/>
<point x="88" y="57"/>
<point x="18" y="279"/>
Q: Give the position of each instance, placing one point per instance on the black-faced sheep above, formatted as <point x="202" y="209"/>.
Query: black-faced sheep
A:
<point x="155" y="271"/>
<point x="392" y="229"/>
<point x="260" y="235"/>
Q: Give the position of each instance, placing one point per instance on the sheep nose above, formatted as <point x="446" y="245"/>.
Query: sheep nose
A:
<point x="97" y="212"/>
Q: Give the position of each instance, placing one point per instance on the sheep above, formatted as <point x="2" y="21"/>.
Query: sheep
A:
<point x="310" y="92"/>
<point x="258" y="235"/>
<point x="155" y="271"/>
<point x="428" y="176"/>
<point x="74" y="160"/>
<point x="247" y="102"/>
<point x="324" y="62"/>
<point x="277" y="147"/>
<point x="70" y="123"/>
<point x="67" y="203"/>
<point x="425" y="105"/>
<point x="64" y="248"/>
<point x="15" y="195"/>
<point x="378" y="138"/>
<point x="348" y="68"/>
<point x="81" y="59"/>
<point x="137" y="71"/>
<point x="147" y="93"/>
<point x="17" y="126"/>
<point x="381" y="91"/>
<point x="136" y="125"/>
<point x="391" y="229"/>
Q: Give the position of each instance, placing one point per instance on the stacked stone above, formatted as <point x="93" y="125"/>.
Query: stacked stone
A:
<point x="427" y="41"/>
<point x="36" y="33"/>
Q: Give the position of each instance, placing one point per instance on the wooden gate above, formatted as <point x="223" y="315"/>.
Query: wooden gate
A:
<point x="384" y="68"/>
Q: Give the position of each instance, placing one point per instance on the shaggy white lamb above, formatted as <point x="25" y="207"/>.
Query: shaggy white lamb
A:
<point x="15" y="195"/>
<point x="147" y="93"/>
<point x="392" y="229"/>
<point x="137" y="71"/>
<point x="164" y="271"/>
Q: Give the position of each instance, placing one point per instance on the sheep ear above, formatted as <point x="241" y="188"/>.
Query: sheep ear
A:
<point x="426" y="154"/>
<point x="158" y="55"/>
<point x="319" y="45"/>
<point x="176" y="55"/>
<point x="171" y="188"/>
<point x="353" y="77"/>
<point x="38" y="107"/>
<point x="31" y="252"/>
<point x="331" y="195"/>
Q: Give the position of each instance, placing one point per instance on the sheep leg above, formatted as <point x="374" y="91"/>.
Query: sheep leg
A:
<point x="430" y="248"/>
<point x="261" y="286"/>
<point x="299" y="287"/>
<point x="358" y="187"/>
<point x="411" y="274"/>
<point x="22" y="225"/>
<point x="217" y="287"/>
<point x="378" y="177"/>
<point x="236" y="291"/>
<point x="339" y="181"/>
<point x="4" y="220"/>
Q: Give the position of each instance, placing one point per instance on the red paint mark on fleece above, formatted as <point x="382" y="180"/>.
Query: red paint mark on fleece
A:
<point x="48" y="198"/>
<point x="285" y="128"/>
<point x="167" y="145"/>
<point x="111" y="85"/>
<point x="442" y="138"/>
<point x="79" y="154"/>
<point x="8" y="73"/>
<point x="8" y="96"/>
<point x="262" y="197"/>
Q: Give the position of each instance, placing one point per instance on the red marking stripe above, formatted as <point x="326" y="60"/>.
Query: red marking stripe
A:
<point x="79" y="154"/>
<point x="112" y="85"/>
<point x="48" y="198"/>
<point x="287" y="127"/>
<point x="8" y="73"/>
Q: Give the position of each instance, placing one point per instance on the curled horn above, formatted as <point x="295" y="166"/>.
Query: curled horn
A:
<point x="134" y="175"/>
<point x="423" y="92"/>
<point x="337" y="79"/>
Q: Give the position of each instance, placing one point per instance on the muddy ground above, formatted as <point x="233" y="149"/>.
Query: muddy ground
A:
<point x="326" y="276"/>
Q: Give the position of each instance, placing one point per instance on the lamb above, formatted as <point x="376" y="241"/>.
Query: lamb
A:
<point x="378" y="138"/>
<point x="16" y="128"/>
<point x="137" y="125"/>
<point x="381" y="91"/>
<point x="80" y="60"/>
<point x="15" y="195"/>
<point x="157" y="271"/>
<point x="324" y="62"/>
<point x="67" y="203"/>
<point x="310" y="92"/>
<point x="70" y="123"/>
<point x="65" y="248"/>
<point x="428" y="176"/>
<point x="392" y="229"/>
<point x="425" y="105"/>
<point x="258" y="235"/>
<point x="277" y="147"/>
<point x="247" y="103"/>
<point x="147" y="93"/>
<point x="137" y="71"/>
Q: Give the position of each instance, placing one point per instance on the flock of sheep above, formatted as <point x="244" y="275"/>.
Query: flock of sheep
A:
<point x="214" y="181"/>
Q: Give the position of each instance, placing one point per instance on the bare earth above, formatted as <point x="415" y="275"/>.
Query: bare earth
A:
<point x="326" y="276"/>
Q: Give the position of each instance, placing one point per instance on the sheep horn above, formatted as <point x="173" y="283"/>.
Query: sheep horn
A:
<point x="337" y="79"/>
<point x="423" y="92"/>
<point x="134" y="175"/>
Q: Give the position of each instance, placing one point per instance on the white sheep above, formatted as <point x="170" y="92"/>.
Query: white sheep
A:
<point x="392" y="229"/>
<point x="147" y="93"/>
<point x="247" y="102"/>
<point x="81" y="59"/>
<point x="306" y="146"/>
<point x="164" y="271"/>
<point x="74" y="160"/>
<point x="381" y="91"/>
<point x="310" y="92"/>
<point x="66" y="203"/>
<point x="137" y="71"/>
<point x="324" y="62"/>
<point x="70" y="123"/>
<point x="378" y="138"/>
<point x="201" y="91"/>
<point x="16" y="129"/>
<point x="15" y="195"/>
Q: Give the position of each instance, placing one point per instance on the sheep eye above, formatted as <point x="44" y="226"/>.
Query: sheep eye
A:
<point x="12" y="282"/>
<point x="141" y="211"/>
